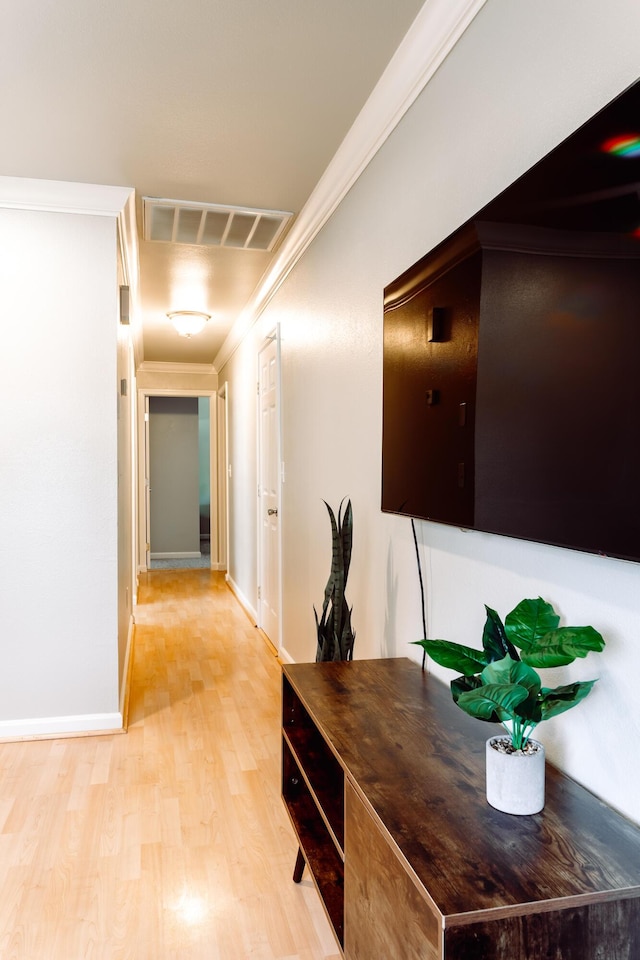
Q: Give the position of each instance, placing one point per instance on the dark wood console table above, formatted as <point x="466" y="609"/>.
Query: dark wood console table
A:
<point x="383" y="778"/>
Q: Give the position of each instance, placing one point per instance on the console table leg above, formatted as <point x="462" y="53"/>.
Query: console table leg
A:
<point x="298" y="870"/>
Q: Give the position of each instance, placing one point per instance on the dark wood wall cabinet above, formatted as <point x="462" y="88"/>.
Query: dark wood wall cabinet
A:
<point x="383" y="778"/>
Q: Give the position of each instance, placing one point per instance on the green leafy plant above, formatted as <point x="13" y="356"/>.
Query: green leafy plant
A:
<point x="335" y="635"/>
<point x="500" y="685"/>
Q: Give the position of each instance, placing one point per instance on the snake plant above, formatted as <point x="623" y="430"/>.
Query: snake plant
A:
<point x="499" y="684"/>
<point x="334" y="632"/>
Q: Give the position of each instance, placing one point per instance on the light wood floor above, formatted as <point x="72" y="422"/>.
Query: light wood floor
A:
<point x="170" y="842"/>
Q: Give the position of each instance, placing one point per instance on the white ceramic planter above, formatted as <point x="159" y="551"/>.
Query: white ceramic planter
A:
<point x="515" y="781"/>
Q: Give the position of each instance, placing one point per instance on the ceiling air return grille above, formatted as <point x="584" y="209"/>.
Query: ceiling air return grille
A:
<point x="212" y="225"/>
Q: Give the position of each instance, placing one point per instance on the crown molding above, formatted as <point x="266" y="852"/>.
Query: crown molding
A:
<point x="433" y="34"/>
<point x="58" y="196"/>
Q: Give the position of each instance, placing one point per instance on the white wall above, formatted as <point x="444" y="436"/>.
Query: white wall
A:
<point x="59" y="471"/>
<point x="522" y="78"/>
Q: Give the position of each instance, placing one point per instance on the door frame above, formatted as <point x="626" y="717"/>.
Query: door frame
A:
<point x="142" y="532"/>
<point x="222" y="476"/>
<point x="274" y="335"/>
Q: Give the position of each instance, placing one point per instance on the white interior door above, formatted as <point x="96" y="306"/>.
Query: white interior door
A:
<point x="147" y="489"/>
<point x="269" y="493"/>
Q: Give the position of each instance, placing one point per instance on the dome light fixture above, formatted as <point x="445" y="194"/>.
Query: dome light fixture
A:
<point x="188" y="322"/>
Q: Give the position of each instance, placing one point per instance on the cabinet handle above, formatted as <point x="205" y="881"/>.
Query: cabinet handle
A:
<point x="271" y="512"/>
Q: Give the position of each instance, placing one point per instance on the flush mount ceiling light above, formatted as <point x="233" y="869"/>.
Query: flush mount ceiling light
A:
<point x="188" y="322"/>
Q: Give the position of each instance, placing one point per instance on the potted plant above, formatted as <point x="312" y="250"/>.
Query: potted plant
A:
<point x="333" y="628"/>
<point x="499" y="684"/>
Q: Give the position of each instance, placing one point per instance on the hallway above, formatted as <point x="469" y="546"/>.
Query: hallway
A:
<point x="170" y="842"/>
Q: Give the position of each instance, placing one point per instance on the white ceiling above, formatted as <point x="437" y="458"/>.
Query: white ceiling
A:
<point x="238" y="102"/>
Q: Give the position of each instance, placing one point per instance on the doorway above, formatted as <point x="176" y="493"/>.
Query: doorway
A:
<point x="177" y="480"/>
<point x="180" y="486"/>
<point x="221" y="546"/>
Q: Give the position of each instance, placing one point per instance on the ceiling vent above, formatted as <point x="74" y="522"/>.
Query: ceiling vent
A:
<point x="212" y="225"/>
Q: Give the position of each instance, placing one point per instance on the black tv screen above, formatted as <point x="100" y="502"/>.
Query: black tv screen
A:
<point x="511" y="383"/>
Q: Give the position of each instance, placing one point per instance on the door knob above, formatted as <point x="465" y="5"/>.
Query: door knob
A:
<point x="271" y="512"/>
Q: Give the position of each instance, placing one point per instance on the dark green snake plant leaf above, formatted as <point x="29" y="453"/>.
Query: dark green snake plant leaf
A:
<point x="334" y="632"/>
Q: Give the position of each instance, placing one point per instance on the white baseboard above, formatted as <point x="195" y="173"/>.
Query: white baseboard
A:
<point x="284" y="656"/>
<point x="240" y="597"/>
<point x="40" y="728"/>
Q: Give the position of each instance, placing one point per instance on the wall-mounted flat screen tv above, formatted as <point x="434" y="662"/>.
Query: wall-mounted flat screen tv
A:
<point x="511" y="389"/>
